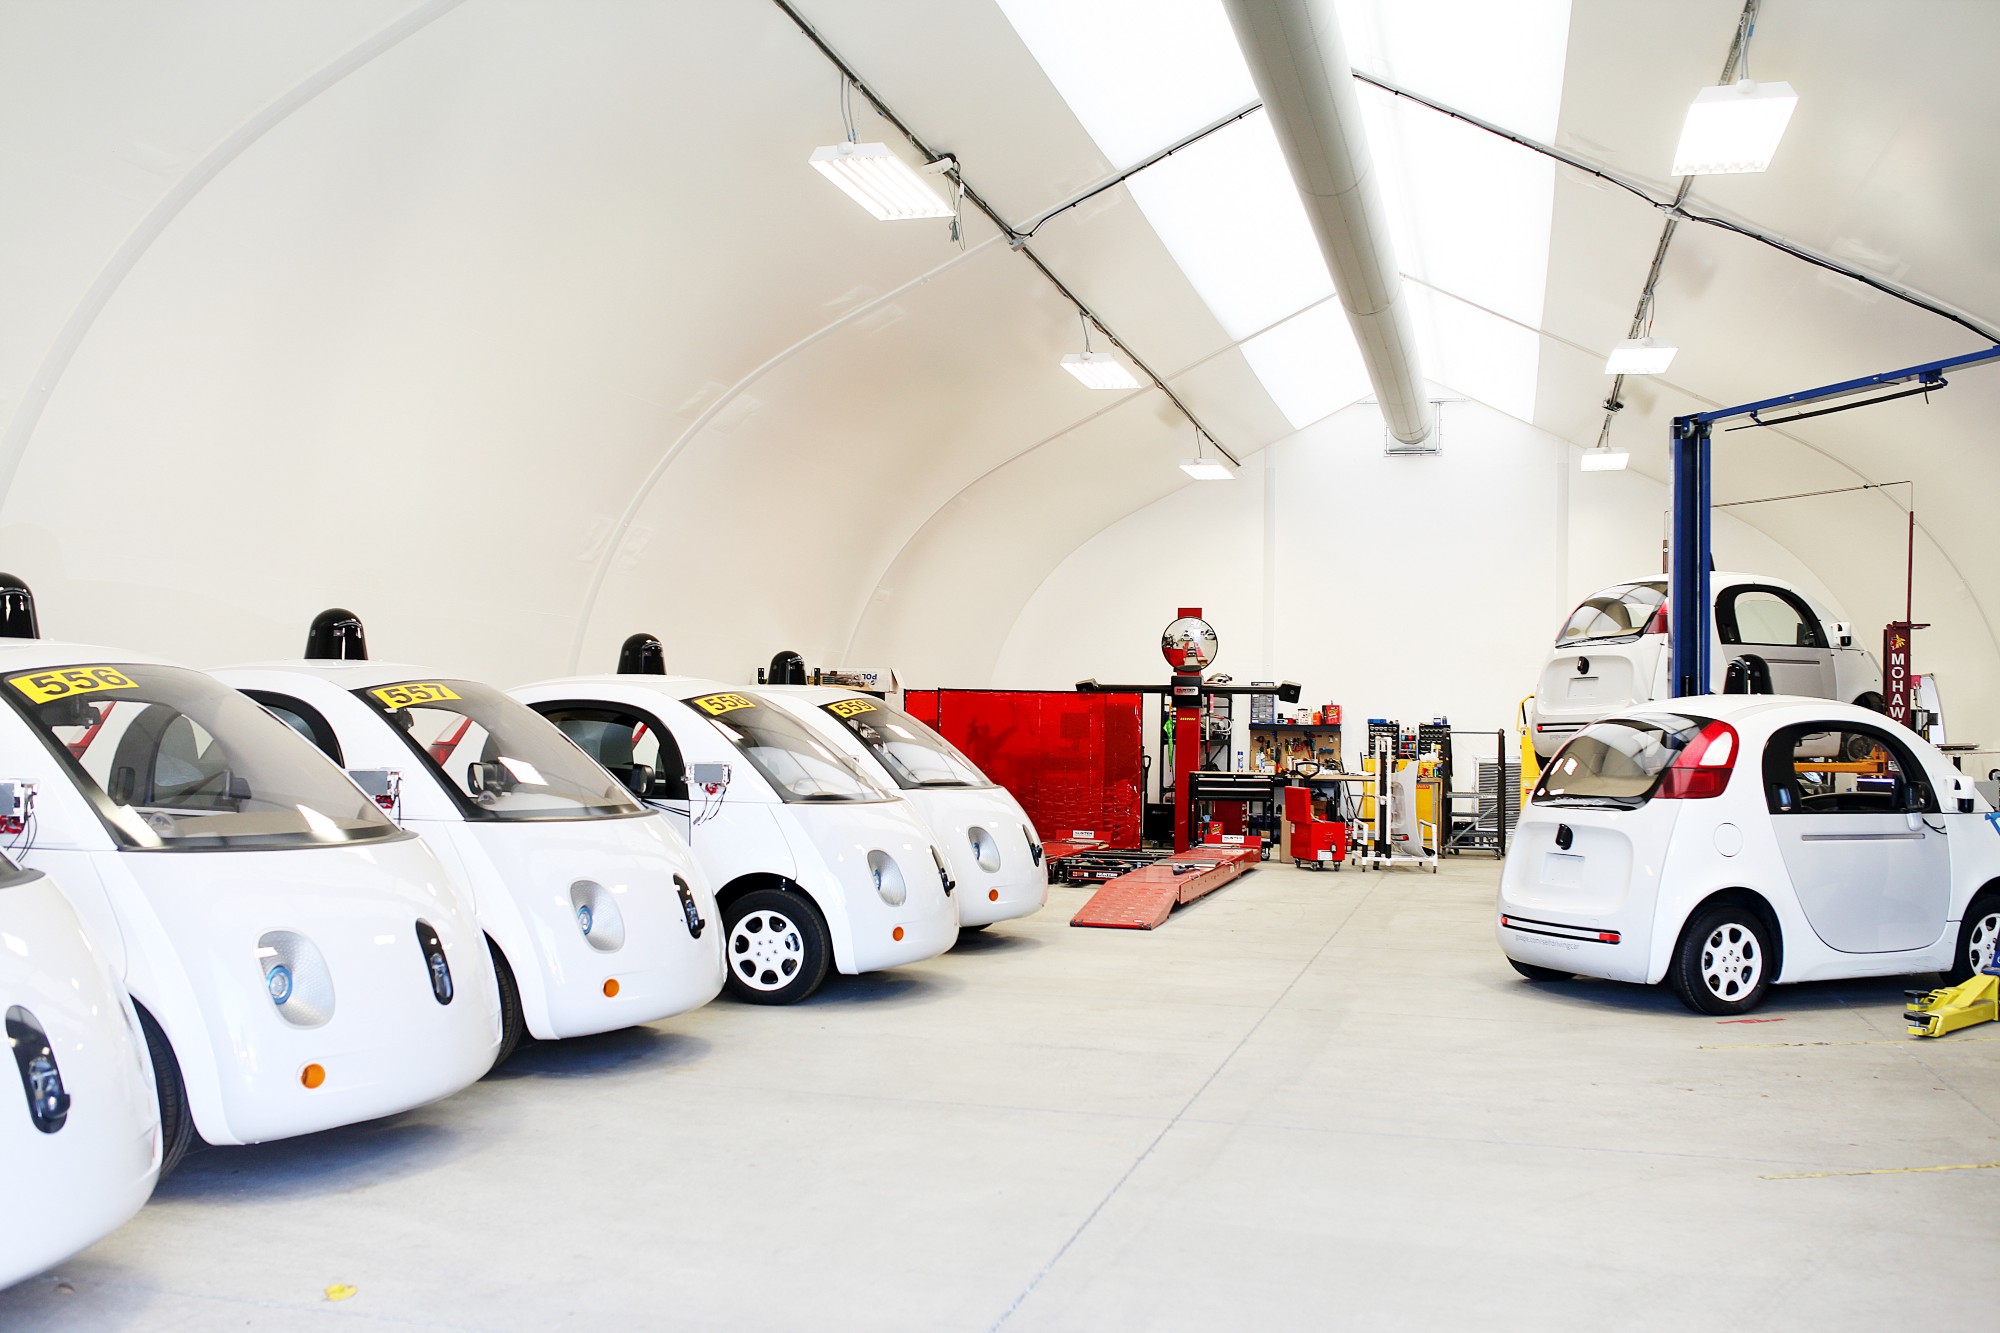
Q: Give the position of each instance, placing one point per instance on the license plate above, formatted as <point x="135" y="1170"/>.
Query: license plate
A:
<point x="1562" y="870"/>
<point x="1583" y="687"/>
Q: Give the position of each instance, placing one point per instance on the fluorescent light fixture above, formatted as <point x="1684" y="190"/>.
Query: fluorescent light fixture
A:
<point x="1099" y="370"/>
<point x="1207" y="469"/>
<point x="1734" y="128"/>
<point x="1605" y="459"/>
<point x="879" y="181"/>
<point x="1640" y="356"/>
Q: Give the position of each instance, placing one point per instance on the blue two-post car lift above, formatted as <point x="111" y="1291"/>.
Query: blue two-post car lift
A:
<point x="1688" y="591"/>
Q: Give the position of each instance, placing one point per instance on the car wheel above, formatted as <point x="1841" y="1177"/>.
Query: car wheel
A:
<point x="1533" y="973"/>
<point x="776" y="946"/>
<point x="1724" y="962"/>
<point x="1976" y="937"/>
<point x="512" y="1025"/>
<point x="176" y="1121"/>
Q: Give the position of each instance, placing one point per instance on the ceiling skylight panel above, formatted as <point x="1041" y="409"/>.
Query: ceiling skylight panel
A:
<point x="1501" y="62"/>
<point x="1138" y="74"/>
<point x="1479" y="355"/>
<point x="1227" y="211"/>
<point x="1309" y="364"/>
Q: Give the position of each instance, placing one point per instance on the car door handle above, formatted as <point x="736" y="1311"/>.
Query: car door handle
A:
<point x="1863" y="837"/>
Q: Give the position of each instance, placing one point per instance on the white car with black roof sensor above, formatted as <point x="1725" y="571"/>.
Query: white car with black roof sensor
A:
<point x="295" y="959"/>
<point x="1728" y="843"/>
<point x="1611" y="654"/>
<point x="81" y="1143"/>
<point x="988" y="840"/>
<point x="595" y="913"/>
<point x="817" y="866"/>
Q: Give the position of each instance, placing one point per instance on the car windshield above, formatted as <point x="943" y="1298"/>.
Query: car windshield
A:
<point x="1617" y="761"/>
<point x="915" y="755"/>
<point x="500" y="758"/>
<point x="175" y="760"/>
<point x="800" y="765"/>
<point x="1615" y="613"/>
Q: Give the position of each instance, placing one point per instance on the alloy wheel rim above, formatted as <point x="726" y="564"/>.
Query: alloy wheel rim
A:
<point x="1731" y="961"/>
<point x="766" y="950"/>
<point x="1979" y="946"/>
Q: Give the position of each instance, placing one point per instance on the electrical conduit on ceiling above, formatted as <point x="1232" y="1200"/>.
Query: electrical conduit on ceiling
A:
<point x="1301" y="69"/>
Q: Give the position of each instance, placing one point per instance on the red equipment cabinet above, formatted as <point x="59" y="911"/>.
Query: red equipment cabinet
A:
<point x="1315" y="842"/>
<point x="1074" y="761"/>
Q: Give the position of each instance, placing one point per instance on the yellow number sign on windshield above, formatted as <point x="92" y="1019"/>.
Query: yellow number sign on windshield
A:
<point x="412" y="693"/>
<point x="850" y="708"/>
<point x="48" y="686"/>
<point x="715" y="705"/>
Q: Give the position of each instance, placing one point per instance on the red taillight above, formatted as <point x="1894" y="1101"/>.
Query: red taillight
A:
<point x="1703" y="766"/>
<point x="1658" y="624"/>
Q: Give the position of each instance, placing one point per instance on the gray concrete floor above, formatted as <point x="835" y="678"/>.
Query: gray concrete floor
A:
<point x="1312" y="1100"/>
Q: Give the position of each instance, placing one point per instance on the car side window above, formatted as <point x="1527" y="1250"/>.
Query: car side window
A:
<point x="631" y="743"/>
<point x="301" y="717"/>
<point x="1766" y="617"/>
<point x="1842" y="769"/>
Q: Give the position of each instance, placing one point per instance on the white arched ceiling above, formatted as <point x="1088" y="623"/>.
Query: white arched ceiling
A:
<point x="533" y="328"/>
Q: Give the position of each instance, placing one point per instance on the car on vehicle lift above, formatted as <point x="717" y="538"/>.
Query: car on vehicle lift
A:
<point x="596" y="914"/>
<point x="989" y="843"/>
<point x="816" y="866"/>
<point x="82" y="1149"/>
<point x="1728" y="843"/>
<point x="297" y="961"/>
<point x="1611" y="653"/>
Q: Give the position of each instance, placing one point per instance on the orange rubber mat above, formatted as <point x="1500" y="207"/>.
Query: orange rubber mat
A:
<point x="1143" y="899"/>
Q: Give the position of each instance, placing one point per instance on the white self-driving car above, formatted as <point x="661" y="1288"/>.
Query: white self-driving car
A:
<point x="1728" y="843"/>
<point x="1612" y="652"/>
<point x="989" y="843"/>
<point x="81" y="1143"/>
<point x="597" y="915"/>
<point x="814" y="864"/>
<point x="297" y="961"/>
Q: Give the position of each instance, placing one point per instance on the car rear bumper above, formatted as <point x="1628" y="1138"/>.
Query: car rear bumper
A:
<point x="1590" y="948"/>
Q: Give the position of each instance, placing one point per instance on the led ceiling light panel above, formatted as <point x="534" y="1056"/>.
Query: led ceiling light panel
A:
<point x="1099" y="370"/>
<point x="1605" y="460"/>
<point x="1640" y="356"/>
<point x="1734" y="128"/>
<point x="878" y="180"/>
<point x="1207" y="469"/>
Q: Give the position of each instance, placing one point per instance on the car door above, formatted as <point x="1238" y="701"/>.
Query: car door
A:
<point x="1861" y="835"/>
<point x="1777" y="625"/>
<point x="634" y="746"/>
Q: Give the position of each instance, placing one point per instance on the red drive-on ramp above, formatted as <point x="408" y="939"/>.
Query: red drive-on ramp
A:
<point x="1142" y="899"/>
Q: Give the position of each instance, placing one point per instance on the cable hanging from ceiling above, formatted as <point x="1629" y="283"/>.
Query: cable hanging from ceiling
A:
<point x="964" y="190"/>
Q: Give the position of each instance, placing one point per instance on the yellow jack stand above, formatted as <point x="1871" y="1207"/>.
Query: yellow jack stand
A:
<point x="1934" y="1013"/>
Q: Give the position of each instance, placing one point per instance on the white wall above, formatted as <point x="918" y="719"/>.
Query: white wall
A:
<point x="1395" y="587"/>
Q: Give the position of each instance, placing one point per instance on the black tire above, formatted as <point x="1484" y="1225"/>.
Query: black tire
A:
<point x="975" y="929"/>
<point x="176" y="1120"/>
<point x="775" y="946"/>
<point x="1533" y="973"/>
<point x="1976" y="936"/>
<point x="512" y="1025"/>
<point x="1724" y="962"/>
<point x="1873" y="702"/>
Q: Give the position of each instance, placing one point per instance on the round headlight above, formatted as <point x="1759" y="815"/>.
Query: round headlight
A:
<point x="597" y="915"/>
<point x="279" y="980"/>
<point x="583" y="918"/>
<point x="888" y="879"/>
<point x="296" y="978"/>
